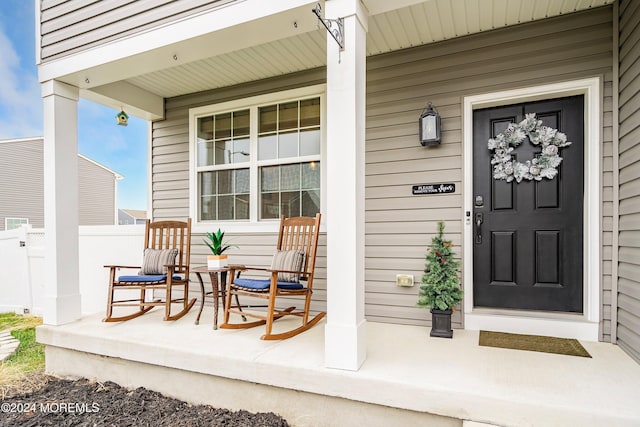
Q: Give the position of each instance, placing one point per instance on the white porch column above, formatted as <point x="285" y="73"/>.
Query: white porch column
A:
<point x="62" y="290"/>
<point x="345" y="332"/>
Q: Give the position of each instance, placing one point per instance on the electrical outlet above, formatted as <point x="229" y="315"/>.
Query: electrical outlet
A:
<point x="404" y="280"/>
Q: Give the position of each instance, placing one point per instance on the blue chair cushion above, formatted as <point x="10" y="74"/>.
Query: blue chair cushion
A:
<point x="262" y="284"/>
<point x="146" y="278"/>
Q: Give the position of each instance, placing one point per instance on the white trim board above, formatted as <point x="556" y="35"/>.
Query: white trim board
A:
<point x="581" y="326"/>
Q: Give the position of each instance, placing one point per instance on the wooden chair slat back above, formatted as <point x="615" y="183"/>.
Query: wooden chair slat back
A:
<point x="170" y="235"/>
<point x="301" y="233"/>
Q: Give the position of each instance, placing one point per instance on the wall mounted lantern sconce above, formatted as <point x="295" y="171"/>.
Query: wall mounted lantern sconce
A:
<point x="123" y="118"/>
<point x="429" y="126"/>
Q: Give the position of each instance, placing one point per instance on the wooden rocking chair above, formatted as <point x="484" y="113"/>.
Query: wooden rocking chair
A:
<point x="293" y="262"/>
<point x="165" y="266"/>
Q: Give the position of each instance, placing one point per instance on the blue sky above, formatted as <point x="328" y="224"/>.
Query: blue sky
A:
<point x="121" y="149"/>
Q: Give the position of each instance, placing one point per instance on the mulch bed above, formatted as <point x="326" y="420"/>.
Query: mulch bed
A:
<point x="85" y="403"/>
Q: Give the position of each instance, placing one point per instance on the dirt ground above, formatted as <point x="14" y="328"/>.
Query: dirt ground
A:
<point x="63" y="402"/>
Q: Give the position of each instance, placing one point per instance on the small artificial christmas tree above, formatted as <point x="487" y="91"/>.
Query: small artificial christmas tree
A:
<point x="441" y="286"/>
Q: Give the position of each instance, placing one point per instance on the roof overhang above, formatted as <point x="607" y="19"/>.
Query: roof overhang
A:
<point x="252" y="39"/>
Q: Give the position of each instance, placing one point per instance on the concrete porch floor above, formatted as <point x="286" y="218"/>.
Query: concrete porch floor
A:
<point x="455" y="379"/>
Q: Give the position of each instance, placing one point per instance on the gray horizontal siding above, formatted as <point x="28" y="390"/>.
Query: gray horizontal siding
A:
<point x="628" y="328"/>
<point x="22" y="194"/>
<point x="74" y="25"/>
<point x="96" y="194"/>
<point x="399" y="226"/>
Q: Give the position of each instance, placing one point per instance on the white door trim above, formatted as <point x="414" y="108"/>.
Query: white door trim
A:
<point x="582" y="326"/>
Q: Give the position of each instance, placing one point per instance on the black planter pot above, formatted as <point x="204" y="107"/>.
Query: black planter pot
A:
<point x="441" y="323"/>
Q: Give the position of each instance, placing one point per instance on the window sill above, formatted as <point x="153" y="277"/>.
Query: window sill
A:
<point x="230" y="227"/>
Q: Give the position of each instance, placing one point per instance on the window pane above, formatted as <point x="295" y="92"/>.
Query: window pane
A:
<point x="229" y="200"/>
<point x="288" y="116"/>
<point x="242" y="181"/>
<point x="311" y="175"/>
<point x="290" y="177"/>
<point x="240" y="151"/>
<point x="290" y="203"/>
<point x="267" y="147"/>
<point x="205" y="153"/>
<point x="310" y="202"/>
<point x="223" y="152"/>
<point x="267" y="119"/>
<point x="13" y="223"/>
<point x="223" y="126"/>
<point x="208" y="208"/>
<point x="288" y="145"/>
<point x="225" y="207"/>
<point x="270" y="205"/>
<point x="207" y="183"/>
<point x="242" y="206"/>
<point x="205" y="128"/>
<point x="310" y="112"/>
<point x="309" y="142"/>
<point x="281" y="185"/>
<point x="241" y="123"/>
<point x="225" y="182"/>
<point x="269" y="178"/>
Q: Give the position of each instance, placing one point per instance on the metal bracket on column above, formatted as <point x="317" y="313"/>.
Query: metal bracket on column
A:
<point x="335" y="27"/>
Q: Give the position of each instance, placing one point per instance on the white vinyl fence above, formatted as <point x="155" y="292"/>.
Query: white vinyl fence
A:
<point x="23" y="275"/>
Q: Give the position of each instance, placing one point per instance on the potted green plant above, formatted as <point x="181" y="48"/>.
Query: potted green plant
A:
<point x="440" y="289"/>
<point x="215" y="242"/>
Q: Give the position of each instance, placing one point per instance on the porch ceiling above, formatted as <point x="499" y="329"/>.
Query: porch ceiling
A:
<point x="417" y="22"/>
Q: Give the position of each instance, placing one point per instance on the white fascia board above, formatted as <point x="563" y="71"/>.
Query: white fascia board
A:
<point x="25" y="139"/>
<point x="234" y="26"/>
<point x="115" y="174"/>
<point x="38" y="22"/>
<point x="136" y="101"/>
<point x="376" y="7"/>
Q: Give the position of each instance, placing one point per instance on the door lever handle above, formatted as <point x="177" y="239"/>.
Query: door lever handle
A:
<point x="479" y="217"/>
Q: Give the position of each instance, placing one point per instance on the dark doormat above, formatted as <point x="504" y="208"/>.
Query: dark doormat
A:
<point x="542" y="344"/>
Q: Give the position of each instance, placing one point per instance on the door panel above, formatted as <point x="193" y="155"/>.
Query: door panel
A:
<point x="528" y="249"/>
<point x="547" y="258"/>
<point x="503" y="257"/>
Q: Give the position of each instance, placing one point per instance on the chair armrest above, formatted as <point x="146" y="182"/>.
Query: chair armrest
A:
<point x="245" y="268"/>
<point x="240" y="268"/>
<point x="286" y="271"/>
<point x="174" y="269"/>
<point x="267" y="269"/>
<point x="122" y="266"/>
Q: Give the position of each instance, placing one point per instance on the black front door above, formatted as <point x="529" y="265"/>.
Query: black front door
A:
<point x="528" y="246"/>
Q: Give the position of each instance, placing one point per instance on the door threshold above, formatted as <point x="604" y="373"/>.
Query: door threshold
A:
<point x="561" y="325"/>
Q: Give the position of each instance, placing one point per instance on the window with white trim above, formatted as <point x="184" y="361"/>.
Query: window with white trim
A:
<point x="258" y="161"/>
<point x="11" y="223"/>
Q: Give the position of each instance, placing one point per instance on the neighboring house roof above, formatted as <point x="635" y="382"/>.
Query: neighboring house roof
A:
<point x="116" y="174"/>
<point x="135" y="213"/>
